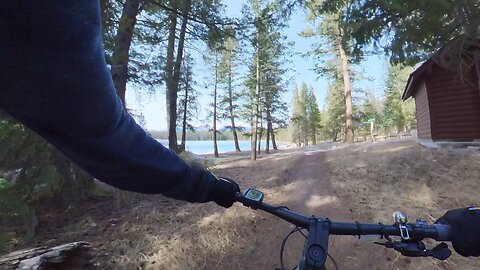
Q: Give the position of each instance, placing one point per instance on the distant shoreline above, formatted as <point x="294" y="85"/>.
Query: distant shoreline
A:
<point x="205" y="147"/>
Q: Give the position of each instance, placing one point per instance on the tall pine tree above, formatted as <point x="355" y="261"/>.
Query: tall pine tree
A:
<point x="332" y="29"/>
<point x="229" y="98"/>
<point x="188" y="106"/>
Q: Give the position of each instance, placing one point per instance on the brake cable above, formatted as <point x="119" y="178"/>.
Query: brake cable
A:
<point x="282" y="265"/>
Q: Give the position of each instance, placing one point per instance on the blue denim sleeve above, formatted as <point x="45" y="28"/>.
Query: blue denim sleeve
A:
<point x="55" y="80"/>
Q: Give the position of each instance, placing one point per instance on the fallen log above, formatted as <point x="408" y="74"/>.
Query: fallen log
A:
<point x="73" y="255"/>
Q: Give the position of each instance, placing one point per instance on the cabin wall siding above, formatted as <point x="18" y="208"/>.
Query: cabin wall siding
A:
<point x="424" y="130"/>
<point x="454" y="105"/>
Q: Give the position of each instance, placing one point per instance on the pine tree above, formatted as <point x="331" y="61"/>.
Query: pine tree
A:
<point x="303" y="114"/>
<point x="123" y="40"/>
<point x="306" y="116"/>
<point x="273" y="107"/>
<point x="228" y="104"/>
<point x="181" y="13"/>
<point x="188" y="106"/>
<point x="369" y="22"/>
<point x="371" y="106"/>
<point x="333" y="117"/>
<point x="396" y="113"/>
<point x="370" y="112"/>
<point x="313" y="117"/>
<point x="262" y="80"/>
<point x="300" y="115"/>
<point x="333" y="31"/>
<point x="212" y="59"/>
<point x="296" y="118"/>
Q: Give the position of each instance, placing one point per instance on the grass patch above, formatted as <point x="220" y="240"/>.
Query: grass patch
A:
<point x="193" y="161"/>
<point x="100" y="192"/>
<point x="3" y="183"/>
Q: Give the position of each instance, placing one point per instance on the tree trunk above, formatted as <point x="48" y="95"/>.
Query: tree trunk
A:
<point x="172" y="71"/>
<point x="305" y="128"/>
<point x="269" y="123"/>
<point x="314" y="137"/>
<point x="184" y="121"/>
<point x="215" y="147"/>
<point x="305" y="137"/>
<point x="235" y="135"/>
<point x="372" y="131"/>
<point x="346" y="88"/>
<point x="181" y="41"/>
<point x="170" y="99"/>
<point x="256" y="110"/>
<point x="274" y="143"/>
<point x="230" y="105"/>
<point x="123" y="40"/>
<point x="299" y="138"/>
<point x="252" y="112"/>
<point x="260" y="134"/>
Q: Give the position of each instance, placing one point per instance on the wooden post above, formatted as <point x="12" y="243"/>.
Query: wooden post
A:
<point x="372" y="130"/>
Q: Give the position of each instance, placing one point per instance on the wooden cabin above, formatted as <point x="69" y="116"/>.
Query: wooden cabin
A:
<point x="447" y="97"/>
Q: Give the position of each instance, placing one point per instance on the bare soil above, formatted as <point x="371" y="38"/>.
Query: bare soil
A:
<point x="365" y="182"/>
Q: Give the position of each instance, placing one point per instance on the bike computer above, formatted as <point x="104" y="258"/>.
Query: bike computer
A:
<point x="253" y="196"/>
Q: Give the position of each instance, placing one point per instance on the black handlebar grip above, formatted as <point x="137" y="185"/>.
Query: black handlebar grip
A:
<point x="444" y="232"/>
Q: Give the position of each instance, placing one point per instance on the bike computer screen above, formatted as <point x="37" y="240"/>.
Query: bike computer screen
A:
<point x="253" y="195"/>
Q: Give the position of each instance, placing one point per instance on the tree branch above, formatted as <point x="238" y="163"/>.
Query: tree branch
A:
<point x="178" y="12"/>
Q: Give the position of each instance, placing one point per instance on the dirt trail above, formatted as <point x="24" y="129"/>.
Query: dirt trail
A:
<point x="301" y="181"/>
<point x="364" y="182"/>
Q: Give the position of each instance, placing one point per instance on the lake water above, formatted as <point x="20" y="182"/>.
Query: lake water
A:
<point x="206" y="147"/>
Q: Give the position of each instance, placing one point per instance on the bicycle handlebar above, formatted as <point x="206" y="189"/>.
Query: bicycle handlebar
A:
<point x="320" y="228"/>
<point x="439" y="232"/>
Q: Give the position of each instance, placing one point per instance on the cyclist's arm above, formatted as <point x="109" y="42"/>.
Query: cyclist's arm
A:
<point x="54" y="79"/>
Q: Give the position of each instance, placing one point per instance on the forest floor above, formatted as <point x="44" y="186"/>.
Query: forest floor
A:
<point x="365" y="182"/>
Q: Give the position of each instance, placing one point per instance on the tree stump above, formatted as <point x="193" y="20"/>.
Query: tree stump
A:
<point x="73" y="255"/>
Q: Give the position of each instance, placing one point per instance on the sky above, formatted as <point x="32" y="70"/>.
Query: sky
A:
<point x="153" y="107"/>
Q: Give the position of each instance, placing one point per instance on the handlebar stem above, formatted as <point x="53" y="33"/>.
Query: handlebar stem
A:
<point x="316" y="249"/>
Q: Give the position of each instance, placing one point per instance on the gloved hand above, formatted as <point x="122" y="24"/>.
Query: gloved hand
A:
<point x="224" y="191"/>
<point x="465" y="224"/>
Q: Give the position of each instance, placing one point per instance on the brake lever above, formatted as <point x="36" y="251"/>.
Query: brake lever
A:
<point x="441" y="252"/>
<point x="418" y="249"/>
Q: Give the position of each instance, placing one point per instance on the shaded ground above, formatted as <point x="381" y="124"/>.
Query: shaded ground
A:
<point x="364" y="182"/>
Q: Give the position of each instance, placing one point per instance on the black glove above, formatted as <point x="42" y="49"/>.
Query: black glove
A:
<point x="224" y="191"/>
<point x="465" y="224"/>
